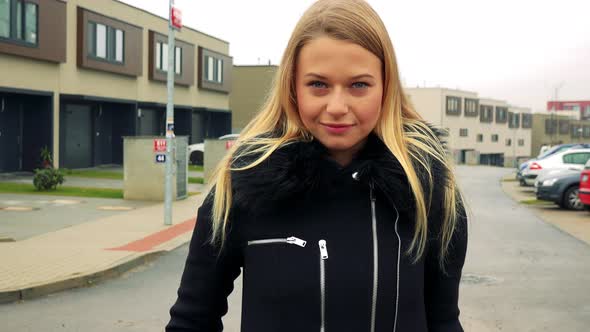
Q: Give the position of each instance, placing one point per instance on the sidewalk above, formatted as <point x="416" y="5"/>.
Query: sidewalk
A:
<point x="87" y="253"/>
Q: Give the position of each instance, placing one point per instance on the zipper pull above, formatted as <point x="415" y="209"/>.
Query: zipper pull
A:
<point x="296" y="241"/>
<point x="371" y="193"/>
<point x="323" y="249"/>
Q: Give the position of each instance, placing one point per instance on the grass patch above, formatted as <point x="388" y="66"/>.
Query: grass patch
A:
<point x="93" y="174"/>
<point x="195" y="168"/>
<point x="509" y="180"/>
<point x="29" y="189"/>
<point x="196" y="180"/>
<point x="535" y="202"/>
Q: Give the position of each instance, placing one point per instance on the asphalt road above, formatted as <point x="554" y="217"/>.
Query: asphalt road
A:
<point x="521" y="274"/>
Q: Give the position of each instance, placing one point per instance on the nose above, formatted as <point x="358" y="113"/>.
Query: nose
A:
<point x="337" y="104"/>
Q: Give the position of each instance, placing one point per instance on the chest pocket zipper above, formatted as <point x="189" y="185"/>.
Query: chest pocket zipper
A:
<point x="290" y="240"/>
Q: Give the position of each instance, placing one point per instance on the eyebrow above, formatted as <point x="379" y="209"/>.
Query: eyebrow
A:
<point x="352" y="78"/>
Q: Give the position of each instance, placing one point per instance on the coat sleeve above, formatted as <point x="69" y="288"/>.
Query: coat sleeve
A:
<point x="207" y="279"/>
<point x="442" y="287"/>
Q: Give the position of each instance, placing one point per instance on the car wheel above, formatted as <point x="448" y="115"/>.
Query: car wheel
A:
<point x="587" y="208"/>
<point x="571" y="200"/>
<point x="197" y="158"/>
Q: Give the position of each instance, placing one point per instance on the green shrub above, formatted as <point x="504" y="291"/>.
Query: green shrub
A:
<point x="47" y="179"/>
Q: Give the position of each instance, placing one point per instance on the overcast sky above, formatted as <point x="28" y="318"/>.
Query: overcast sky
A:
<point x="513" y="50"/>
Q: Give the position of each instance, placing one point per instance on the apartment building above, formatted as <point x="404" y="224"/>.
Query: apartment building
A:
<point x="582" y="107"/>
<point x="552" y="128"/>
<point x="78" y="75"/>
<point x="480" y="130"/>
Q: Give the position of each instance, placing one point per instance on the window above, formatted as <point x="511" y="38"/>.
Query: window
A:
<point x="19" y="21"/>
<point x="463" y="132"/>
<point x="550" y="126"/>
<point x="576" y="130"/>
<point x="5" y="18"/>
<point x="521" y="142"/>
<point x="494" y="137"/>
<point x="213" y="69"/>
<point x="501" y="114"/>
<point x="162" y="58"/>
<point x="586" y="131"/>
<point x="513" y="120"/>
<point x="585" y="115"/>
<point x="106" y="43"/>
<point x="579" y="158"/>
<point x="178" y="60"/>
<point x="453" y="105"/>
<point x="486" y="113"/>
<point x="564" y="127"/>
<point x="471" y="107"/>
<point x="508" y="142"/>
<point x="480" y="137"/>
<point x="527" y="120"/>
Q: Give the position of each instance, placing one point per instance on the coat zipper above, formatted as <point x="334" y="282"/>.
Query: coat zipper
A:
<point x="289" y="240"/>
<point x="399" y="250"/>
<point x="375" y="260"/>
<point x="323" y="257"/>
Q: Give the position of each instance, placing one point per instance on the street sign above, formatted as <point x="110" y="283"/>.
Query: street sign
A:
<point x="159" y="145"/>
<point x="176" y="18"/>
<point x="160" y="158"/>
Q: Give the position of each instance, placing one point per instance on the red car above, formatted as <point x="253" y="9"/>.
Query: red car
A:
<point x="584" y="192"/>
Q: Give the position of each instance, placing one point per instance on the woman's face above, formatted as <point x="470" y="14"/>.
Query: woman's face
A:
<point x="339" y="92"/>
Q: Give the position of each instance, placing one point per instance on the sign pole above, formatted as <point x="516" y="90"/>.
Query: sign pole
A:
<point x="169" y="120"/>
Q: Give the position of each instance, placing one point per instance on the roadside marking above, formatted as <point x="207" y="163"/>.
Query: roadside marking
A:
<point x="154" y="240"/>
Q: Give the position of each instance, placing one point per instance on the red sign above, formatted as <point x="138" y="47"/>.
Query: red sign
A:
<point x="229" y="144"/>
<point x="159" y="145"/>
<point x="176" y="18"/>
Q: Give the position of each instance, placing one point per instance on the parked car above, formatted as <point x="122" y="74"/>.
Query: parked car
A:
<point x="547" y="153"/>
<point x="585" y="186"/>
<point x="561" y="187"/>
<point x="573" y="159"/>
<point x="197" y="151"/>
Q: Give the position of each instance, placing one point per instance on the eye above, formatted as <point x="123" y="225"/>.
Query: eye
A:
<point x="360" y="85"/>
<point x="317" y="84"/>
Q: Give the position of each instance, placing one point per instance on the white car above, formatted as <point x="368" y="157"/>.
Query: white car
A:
<point x="196" y="151"/>
<point x="573" y="159"/>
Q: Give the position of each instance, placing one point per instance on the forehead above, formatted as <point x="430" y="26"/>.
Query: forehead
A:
<point x="332" y="57"/>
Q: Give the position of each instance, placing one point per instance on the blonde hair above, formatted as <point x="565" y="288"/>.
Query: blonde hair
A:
<point x="400" y="127"/>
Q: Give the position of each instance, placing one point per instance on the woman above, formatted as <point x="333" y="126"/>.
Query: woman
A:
<point x="338" y="201"/>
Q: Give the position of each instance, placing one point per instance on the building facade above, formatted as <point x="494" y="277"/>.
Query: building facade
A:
<point x="552" y="128"/>
<point x="79" y="75"/>
<point x="480" y="130"/>
<point x="250" y="87"/>
<point x="581" y="106"/>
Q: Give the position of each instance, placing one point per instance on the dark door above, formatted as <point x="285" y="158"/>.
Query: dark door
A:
<point x="78" y="136"/>
<point x="10" y="134"/>
<point x="148" y="123"/>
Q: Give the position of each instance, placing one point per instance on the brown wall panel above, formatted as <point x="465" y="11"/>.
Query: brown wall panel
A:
<point x="188" y="60"/>
<point x="132" y="53"/>
<point x="51" y="34"/>
<point x="227" y="71"/>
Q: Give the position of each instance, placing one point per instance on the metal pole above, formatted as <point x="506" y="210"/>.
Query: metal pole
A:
<point x="169" y="121"/>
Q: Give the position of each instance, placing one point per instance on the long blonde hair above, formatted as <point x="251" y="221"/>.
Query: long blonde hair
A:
<point x="400" y="127"/>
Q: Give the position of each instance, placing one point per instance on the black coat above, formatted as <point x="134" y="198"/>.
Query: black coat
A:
<point x="298" y="195"/>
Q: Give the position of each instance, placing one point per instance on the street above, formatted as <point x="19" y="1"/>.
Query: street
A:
<point x="521" y="274"/>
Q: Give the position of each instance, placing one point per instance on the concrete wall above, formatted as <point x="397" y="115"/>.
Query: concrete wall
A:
<point x="143" y="177"/>
<point x="251" y="85"/>
<point x="215" y="150"/>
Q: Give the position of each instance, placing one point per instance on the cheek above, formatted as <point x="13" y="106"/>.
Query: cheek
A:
<point x="308" y="108"/>
<point x="370" y="110"/>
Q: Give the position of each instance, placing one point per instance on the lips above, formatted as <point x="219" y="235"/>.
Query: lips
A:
<point x="337" y="128"/>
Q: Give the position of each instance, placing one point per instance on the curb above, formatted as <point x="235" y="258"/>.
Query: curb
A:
<point x="82" y="281"/>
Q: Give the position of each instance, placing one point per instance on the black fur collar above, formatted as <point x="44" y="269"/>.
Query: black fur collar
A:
<point x="299" y="168"/>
